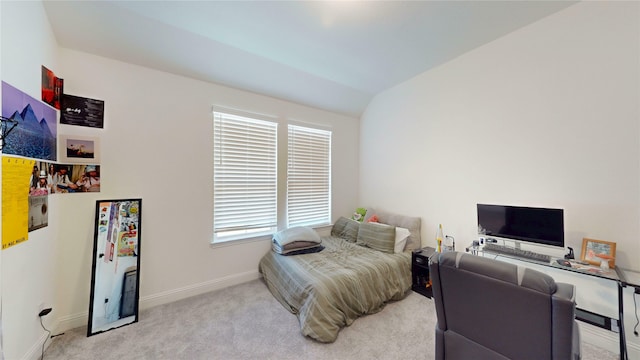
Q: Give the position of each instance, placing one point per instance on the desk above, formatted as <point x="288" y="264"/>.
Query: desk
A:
<point x="631" y="278"/>
<point x="616" y="274"/>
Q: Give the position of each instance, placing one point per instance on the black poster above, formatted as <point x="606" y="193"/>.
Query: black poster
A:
<point x="82" y="111"/>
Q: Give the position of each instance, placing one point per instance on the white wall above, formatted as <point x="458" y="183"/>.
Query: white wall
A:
<point x="157" y="145"/>
<point x="545" y="116"/>
<point x="28" y="269"/>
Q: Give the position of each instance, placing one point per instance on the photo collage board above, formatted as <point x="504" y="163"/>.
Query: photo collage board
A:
<point x="58" y="164"/>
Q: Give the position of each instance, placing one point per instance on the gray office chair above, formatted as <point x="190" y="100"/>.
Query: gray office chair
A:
<point x="489" y="309"/>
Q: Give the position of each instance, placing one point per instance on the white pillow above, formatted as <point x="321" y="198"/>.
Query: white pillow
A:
<point x="402" y="235"/>
<point x="296" y="233"/>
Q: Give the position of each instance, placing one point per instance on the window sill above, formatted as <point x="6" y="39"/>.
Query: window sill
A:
<point x="323" y="230"/>
<point x="232" y="242"/>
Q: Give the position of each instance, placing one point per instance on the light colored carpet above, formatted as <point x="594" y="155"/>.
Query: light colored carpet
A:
<point x="247" y="322"/>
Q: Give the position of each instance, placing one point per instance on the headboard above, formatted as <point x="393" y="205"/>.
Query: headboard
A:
<point x="408" y="222"/>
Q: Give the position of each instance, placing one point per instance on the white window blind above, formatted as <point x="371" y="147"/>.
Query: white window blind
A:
<point x="308" y="176"/>
<point x="244" y="177"/>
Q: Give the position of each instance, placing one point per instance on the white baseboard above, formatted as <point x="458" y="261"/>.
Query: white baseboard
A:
<point x="73" y="321"/>
<point x="170" y="296"/>
<point x="590" y="334"/>
<point x="35" y="352"/>
<point x="607" y="340"/>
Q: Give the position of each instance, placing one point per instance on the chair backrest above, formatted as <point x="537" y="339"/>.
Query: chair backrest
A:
<point x="490" y="309"/>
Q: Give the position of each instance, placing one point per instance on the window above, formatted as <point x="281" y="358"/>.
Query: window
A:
<point x="244" y="177"/>
<point x="246" y="185"/>
<point x="308" y="176"/>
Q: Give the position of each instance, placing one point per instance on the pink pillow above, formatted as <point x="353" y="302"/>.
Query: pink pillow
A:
<point x="374" y="219"/>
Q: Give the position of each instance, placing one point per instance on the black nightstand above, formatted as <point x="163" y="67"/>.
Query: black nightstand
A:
<point x="420" y="271"/>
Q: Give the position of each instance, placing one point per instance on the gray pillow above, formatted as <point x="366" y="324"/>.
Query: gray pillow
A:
<point x="351" y="231"/>
<point x="346" y="229"/>
<point x="377" y="236"/>
<point x="338" y="226"/>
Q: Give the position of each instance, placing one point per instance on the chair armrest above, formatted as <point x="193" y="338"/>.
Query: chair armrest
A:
<point x="563" y="321"/>
<point x="434" y="275"/>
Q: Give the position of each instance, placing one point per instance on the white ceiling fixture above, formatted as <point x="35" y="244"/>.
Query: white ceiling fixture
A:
<point x="333" y="55"/>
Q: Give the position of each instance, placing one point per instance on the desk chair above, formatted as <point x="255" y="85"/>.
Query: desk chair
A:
<point x="489" y="309"/>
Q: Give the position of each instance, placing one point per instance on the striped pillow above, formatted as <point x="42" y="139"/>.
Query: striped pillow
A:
<point x="346" y="229"/>
<point x="377" y="236"/>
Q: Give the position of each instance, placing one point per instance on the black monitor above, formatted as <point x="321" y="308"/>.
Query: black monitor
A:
<point x="536" y="225"/>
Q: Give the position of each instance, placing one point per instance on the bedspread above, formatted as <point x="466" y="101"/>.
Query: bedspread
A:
<point x="330" y="289"/>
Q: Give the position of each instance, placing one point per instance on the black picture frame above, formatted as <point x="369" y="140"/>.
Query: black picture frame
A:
<point x="115" y="273"/>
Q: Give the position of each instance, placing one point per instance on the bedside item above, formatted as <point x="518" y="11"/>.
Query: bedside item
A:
<point x="570" y="255"/>
<point x="439" y="238"/>
<point x="449" y="243"/>
<point x="421" y="282"/>
<point x="564" y="262"/>
<point x="359" y="214"/>
<point x="595" y="251"/>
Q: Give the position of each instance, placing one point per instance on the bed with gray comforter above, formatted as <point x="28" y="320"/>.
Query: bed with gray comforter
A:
<point x="329" y="289"/>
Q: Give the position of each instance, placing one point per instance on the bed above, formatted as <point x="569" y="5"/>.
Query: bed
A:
<point x="350" y="277"/>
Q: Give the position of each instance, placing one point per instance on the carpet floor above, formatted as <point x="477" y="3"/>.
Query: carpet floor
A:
<point x="246" y="322"/>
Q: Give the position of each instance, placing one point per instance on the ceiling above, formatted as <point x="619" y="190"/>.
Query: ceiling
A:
<point x="332" y="55"/>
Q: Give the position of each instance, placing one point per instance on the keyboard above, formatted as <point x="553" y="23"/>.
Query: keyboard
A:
<point x="511" y="251"/>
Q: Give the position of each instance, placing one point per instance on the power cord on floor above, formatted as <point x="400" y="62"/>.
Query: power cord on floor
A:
<point x="45" y="341"/>
<point x="635" y="308"/>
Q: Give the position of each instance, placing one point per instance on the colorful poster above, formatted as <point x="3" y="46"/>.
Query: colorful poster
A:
<point x="81" y="111"/>
<point x="38" y="212"/>
<point x="52" y="88"/>
<point x="79" y="149"/>
<point x="15" y="202"/>
<point x="35" y="134"/>
<point x="103" y="235"/>
<point x="41" y="179"/>
<point x="69" y="178"/>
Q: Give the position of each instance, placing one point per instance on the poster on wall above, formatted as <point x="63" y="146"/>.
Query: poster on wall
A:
<point x="82" y="111"/>
<point x="52" y="88"/>
<point x="73" y="178"/>
<point x="40" y="186"/>
<point x="35" y="134"/>
<point x="41" y="178"/>
<point x="15" y="203"/>
<point x="79" y="149"/>
<point x="38" y="212"/>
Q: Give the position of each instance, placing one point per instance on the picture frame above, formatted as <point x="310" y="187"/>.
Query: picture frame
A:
<point x="594" y="251"/>
<point x="76" y="149"/>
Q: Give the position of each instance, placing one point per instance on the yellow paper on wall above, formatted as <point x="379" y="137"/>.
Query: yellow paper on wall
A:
<point x="15" y="200"/>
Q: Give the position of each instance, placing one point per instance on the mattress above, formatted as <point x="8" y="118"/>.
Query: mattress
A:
<point x="328" y="290"/>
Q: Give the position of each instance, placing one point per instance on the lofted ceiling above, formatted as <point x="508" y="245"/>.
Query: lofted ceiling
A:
<point x="332" y="55"/>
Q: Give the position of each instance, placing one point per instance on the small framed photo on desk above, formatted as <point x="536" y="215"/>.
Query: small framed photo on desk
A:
<point x="595" y="251"/>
